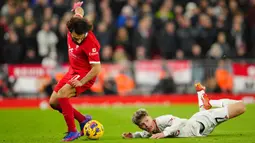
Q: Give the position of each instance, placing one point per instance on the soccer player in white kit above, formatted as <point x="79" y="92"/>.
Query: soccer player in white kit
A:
<point x="200" y="124"/>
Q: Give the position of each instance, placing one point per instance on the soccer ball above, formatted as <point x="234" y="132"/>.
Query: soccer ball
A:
<point x="93" y="130"/>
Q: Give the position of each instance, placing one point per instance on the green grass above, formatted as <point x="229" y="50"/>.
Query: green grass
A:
<point x="47" y="126"/>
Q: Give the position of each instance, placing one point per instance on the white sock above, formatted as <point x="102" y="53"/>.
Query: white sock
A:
<point x="222" y="102"/>
<point x="200" y="102"/>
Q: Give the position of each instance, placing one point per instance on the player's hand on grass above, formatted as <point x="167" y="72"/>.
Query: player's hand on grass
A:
<point x="76" y="5"/>
<point x="127" y="135"/>
<point x="75" y="82"/>
<point x="157" y="136"/>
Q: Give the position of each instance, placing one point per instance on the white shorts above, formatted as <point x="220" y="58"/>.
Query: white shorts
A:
<point x="211" y="118"/>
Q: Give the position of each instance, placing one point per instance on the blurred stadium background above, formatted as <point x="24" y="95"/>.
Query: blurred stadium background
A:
<point x="148" y="47"/>
<point x="152" y="52"/>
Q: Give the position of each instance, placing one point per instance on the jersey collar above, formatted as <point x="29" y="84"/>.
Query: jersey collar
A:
<point x="157" y="129"/>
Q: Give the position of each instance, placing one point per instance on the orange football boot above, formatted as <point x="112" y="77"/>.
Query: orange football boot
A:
<point x="199" y="87"/>
<point x="205" y="99"/>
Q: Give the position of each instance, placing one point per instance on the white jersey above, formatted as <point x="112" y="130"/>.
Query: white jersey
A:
<point x="168" y="124"/>
<point x="173" y="126"/>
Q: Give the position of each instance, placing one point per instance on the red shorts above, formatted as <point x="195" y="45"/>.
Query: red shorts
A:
<point x="66" y="80"/>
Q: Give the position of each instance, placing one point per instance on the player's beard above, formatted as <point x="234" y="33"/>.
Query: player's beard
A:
<point x="78" y="42"/>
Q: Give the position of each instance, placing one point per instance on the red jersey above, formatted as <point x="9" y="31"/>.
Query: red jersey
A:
<point x="84" y="54"/>
<point x="80" y="58"/>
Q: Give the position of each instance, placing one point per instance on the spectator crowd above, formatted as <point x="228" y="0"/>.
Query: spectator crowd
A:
<point x="34" y="31"/>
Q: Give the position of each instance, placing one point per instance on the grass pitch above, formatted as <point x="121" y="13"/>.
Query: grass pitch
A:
<point x="47" y="126"/>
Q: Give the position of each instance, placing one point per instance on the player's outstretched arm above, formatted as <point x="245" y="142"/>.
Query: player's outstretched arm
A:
<point x="174" y="129"/>
<point x="158" y="136"/>
<point x="142" y="134"/>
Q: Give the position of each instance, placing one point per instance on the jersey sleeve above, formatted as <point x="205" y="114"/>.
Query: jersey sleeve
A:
<point x="93" y="53"/>
<point x="142" y="134"/>
<point x="173" y="125"/>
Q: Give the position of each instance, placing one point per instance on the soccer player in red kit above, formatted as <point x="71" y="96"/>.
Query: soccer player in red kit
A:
<point x="83" y="51"/>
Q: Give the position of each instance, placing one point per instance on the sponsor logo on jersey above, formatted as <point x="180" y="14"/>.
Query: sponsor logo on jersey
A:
<point x="94" y="52"/>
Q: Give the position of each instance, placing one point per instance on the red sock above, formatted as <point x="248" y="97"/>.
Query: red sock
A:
<point x="67" y="111"/>
<point x="77" y="115"/>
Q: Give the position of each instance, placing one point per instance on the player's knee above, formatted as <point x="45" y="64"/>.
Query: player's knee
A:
<point x="52" y="100"/>
<point x="239" y="108"/>
<point x="52" y="105"/>
<point x="242" y="108"/>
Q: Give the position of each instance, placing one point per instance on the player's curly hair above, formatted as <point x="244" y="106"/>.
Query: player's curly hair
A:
<point x="79" y="25"/>
<point x="138" y="115"/>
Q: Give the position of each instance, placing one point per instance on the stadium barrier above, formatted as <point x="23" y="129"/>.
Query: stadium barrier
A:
<point x="102" y="101"/>
<point x="237" y="77"/>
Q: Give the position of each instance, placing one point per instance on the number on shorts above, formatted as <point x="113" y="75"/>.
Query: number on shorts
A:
<point x="220" y="120"/>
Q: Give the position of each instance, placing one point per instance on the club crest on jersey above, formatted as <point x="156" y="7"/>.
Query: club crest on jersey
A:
<point x="94" y="50"/>
<point x="70" y="50"/>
